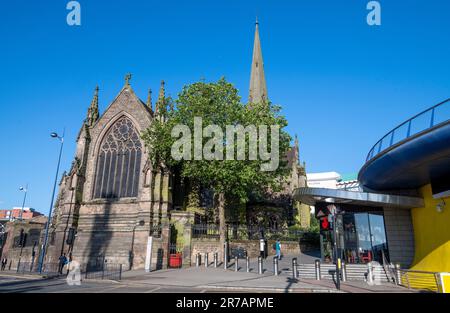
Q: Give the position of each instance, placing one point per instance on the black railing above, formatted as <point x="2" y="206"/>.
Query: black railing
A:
<point x="155" y="230"/>
<point x="111" y="271"/>
<point x="243" y="232"/>
<point x="425" y="120"/>
<point x="33" y="268"/>
<point x="205" y="231"/>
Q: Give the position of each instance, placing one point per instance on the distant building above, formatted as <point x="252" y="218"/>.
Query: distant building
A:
<point x="333" y="180"/>
<point x="14" y="213"/>
<point x="21" y="240"/>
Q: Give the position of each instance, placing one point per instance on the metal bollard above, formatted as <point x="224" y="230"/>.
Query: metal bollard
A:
<point x="248" y="264"/>
<point x="197" y="260"/>
<point x="294" y="268"/>
<point x="225" y="256"/>
<point x="369" y="273"/>
<point x="236" y="264"/>
<point x="275" y="266"/>
<point x="344" y="271"/>
<point x="206" y="260"/>
<point x="260" y="265"/>
<point x="216" y="256"/>
<point x="318" y="273"/>
<point x="398" y="274"/>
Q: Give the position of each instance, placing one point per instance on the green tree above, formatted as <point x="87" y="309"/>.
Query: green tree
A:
<point x="219" y="104"/>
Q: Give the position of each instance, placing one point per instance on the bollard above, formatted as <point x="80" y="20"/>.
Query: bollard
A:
<point x="294" y="268"/>
<point x="369" y="273"/>
<point x="225" y="256"/>
<point x="206" y="260"/>
<point x="215" y="259"/>
<point x="248" y="264"/>
<point x="197" y="260"/>
<point x="236" y="264"/>
<point x="260" y="265"/>
<point x="275" y="265"/>
<point x="318" y="273"/>
<point x="398" y="274"/>
<point x="338" y="273"/>
<point x="344" y="271"/>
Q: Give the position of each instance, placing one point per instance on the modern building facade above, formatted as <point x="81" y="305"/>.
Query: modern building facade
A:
<point x="401" y="215"/>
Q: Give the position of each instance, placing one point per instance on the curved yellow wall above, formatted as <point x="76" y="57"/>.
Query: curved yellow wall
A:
<point x="431" y="235"/>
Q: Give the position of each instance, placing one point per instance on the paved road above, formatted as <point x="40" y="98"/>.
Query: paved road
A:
<point x="20" y="285"/>
<point x="190" y="280"/>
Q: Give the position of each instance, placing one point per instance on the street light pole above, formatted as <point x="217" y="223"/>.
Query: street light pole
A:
<point x="24" y="199"/>
<point x="47" y="226"/>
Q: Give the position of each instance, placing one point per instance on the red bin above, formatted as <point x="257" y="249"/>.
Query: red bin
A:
<point x="175" y="260"/>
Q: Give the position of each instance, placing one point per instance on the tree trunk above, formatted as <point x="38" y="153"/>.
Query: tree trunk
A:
<point x="222" y="224"/>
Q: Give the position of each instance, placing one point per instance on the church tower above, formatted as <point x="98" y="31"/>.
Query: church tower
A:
<point x="258" y="87"/>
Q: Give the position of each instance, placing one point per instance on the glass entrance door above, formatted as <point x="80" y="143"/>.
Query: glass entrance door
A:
<point x="364" y="237"/>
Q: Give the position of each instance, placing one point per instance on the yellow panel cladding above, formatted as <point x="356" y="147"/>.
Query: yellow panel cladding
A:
<point x="431" y="234"/>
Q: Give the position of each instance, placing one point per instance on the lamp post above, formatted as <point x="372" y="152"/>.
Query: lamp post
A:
<point x="25" y="190"/>
<point x="47" y="226"/>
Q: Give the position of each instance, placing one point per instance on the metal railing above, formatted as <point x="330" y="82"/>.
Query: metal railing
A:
<point x="111" y="271"/>
<point x="33" y="268"/>
<point x="427" y="281"/>
<point x="425" y="120"/>
<point x="156" y="230"/>
<point x="243" y="232"/>
<point x="205" y="231"/>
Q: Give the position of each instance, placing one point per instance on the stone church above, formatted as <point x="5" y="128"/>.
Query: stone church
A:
<point x="111" y="200"/>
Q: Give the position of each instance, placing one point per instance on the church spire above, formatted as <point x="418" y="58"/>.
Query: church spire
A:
<point x="160" y="107"/>
<point x="258" y="88"/>
<point x="93" y="115"/>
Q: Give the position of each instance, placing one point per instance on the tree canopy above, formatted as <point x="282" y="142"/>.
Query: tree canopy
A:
<point x="212" y="157"/>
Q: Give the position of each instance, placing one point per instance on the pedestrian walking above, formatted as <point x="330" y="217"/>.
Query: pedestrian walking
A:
<point x="278" y="249"/>
<point x="62" y="262"/>
<point x="262" y="248"/>
<point x="4" y="262"/>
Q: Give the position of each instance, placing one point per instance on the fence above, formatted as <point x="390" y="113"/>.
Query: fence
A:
<point x="427" y="119"/>
<point x="243" y="232"/>
<point x="106" y="270"/>
<point x="95" y="270"/>
<point x="33" y="268"/>
<point x="429" y="281"/>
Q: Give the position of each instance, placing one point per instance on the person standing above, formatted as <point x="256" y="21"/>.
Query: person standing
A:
<point x="278" y="249"/>
<point x="62" y="262"/>
<point x="262" y="248"/>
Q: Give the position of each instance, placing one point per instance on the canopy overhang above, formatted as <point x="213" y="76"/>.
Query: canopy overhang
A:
<point x="311" y="196"/>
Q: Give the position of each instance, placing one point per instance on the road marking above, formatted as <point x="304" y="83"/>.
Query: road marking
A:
<point x="110" y="289"/>
<point x="153" y="290"/>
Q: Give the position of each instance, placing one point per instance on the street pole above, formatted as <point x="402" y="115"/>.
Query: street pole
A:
<point x="47" y="226"/>
<point x="24" y="199"/>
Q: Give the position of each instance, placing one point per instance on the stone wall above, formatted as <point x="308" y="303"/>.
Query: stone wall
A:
<point x="211" y="246"/>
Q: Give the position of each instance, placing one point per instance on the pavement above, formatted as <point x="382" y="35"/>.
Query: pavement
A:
<point x="194" y="280"/>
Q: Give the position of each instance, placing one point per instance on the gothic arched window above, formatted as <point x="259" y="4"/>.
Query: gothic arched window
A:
<point x="119" y="162"/>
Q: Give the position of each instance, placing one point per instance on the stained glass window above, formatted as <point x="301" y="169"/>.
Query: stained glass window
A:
<point x="119" y="162"/>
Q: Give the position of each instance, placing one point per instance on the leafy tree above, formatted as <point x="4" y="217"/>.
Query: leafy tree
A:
<point x="219" y="104"/>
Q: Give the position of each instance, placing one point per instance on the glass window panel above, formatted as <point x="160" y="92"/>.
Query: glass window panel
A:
<point x="119" y="162"/>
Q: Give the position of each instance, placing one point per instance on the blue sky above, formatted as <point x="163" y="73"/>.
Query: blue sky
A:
<point x="342" y="84"/>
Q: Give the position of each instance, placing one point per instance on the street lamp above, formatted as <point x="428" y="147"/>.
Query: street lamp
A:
<point x="47" y="226"/>
<point x="25" y="190"/>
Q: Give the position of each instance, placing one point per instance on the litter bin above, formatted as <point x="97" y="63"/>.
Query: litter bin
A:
<point x="175" y="260"/>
